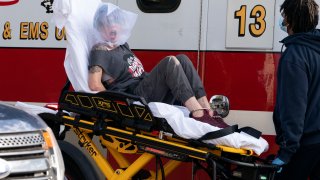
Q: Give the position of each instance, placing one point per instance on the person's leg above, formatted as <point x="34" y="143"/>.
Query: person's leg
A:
<point x="169" y="77"/>
<point x="203" y="101"/>
<point x="315" y="174"/>
<point x="165" y="78"/>
<point x="195" y="81"/>
<point x="193" y="105"/>
<point x="192" y="75"/>
<point x="302" y="164"/>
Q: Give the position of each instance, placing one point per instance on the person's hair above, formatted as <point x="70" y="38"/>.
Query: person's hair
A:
<point x="301" y="15"/>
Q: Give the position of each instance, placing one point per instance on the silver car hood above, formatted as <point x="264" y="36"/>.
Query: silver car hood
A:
<point x="14" y="120"/>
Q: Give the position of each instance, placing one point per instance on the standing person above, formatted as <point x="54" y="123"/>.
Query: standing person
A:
<point x="297" y="111"/>
<point x="113" y="66"/>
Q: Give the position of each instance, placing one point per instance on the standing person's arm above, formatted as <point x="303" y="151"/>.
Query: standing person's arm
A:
<point x="293" y="92"/>
<point x="95" y="76"/>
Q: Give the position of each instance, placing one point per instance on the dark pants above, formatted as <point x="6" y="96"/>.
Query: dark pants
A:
<point x="169" y="81"/>
<point x="303" y="164"/>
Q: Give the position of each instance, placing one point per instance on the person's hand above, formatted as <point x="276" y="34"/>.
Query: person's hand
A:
<point x="278" y="162"/>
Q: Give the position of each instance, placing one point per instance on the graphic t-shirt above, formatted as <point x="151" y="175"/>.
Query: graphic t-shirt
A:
<point x="119" y="64"/>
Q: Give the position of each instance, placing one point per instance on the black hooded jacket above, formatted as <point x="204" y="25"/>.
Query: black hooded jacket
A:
<point x="297" y="111"/>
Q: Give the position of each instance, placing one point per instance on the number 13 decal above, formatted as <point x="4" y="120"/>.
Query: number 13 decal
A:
<point x="258" y="13"/>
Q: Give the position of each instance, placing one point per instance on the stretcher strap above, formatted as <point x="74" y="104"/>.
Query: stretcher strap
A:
<point x="229" y="130"/>
<point x="219" y="133"/>
<point x="251" y="131"/>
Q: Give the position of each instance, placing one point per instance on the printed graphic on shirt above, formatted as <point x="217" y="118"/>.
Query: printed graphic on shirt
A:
<point x="135" y="65"/>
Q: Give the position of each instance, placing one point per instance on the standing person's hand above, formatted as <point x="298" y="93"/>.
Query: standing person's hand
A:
<point x="278" y="162"/>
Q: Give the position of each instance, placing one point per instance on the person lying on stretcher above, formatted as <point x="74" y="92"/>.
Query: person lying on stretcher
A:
<point x="113" y="66"/>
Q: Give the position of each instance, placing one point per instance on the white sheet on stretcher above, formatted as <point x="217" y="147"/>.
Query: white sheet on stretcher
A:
<point x="77" y="17"/>
<point x="184" y="126"/>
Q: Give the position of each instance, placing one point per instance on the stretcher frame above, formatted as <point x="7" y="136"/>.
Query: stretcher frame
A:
<point x="124" y="127"/>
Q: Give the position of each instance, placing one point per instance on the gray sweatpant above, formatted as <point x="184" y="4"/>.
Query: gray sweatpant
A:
<point x="171" y="81"/>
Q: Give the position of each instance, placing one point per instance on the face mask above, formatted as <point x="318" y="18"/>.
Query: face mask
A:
<point x="282" y="26"/>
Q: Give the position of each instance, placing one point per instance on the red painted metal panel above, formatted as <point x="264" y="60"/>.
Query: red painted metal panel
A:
<point x="35" y="75"/>
<point x="247" y="78"/>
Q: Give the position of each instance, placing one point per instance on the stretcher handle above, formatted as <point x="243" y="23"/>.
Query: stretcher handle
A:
<point x="254" y="165"/>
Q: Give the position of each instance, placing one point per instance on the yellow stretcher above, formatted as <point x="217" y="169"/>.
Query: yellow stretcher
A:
<point x="125" y="127"/>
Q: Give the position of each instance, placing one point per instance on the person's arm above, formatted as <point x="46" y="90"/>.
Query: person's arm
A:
<point x="95" y="76"/>
<point x="292" y="97"/>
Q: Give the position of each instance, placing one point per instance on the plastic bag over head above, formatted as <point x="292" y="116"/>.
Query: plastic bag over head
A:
<point x="113" y="25"/>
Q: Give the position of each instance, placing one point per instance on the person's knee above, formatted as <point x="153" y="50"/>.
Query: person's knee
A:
<point x="183" y="59"/>
<point x="171" y="61"/>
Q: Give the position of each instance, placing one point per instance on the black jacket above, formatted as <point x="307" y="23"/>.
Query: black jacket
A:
<point x="297" y="110"/>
